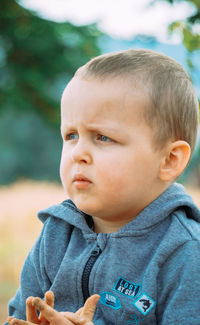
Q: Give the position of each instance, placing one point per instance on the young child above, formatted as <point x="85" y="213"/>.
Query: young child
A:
<point x="128" y="233"/>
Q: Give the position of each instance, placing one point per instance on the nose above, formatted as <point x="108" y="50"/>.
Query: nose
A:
<point x="81" y="153"/>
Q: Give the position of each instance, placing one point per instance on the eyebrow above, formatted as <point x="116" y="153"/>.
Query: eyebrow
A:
<point x="91" y="128"/>
<point x="99" y="128"/>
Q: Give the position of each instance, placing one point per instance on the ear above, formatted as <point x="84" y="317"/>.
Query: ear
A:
<point x="174" y="162"/>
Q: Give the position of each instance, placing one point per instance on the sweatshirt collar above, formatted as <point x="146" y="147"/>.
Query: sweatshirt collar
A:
<point x="175" y="197"/>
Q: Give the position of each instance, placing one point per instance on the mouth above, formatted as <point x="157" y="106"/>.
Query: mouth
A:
<point x="81" y="182"/>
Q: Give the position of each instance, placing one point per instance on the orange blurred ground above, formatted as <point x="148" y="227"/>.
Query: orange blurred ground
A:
<point x="19" y="227"/>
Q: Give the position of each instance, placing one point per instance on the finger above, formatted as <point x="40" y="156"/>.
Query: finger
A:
<point x="9" y="319"/>
<point x="73" y="318"/>
<point x="79" y="311"/>
<point x="85" y="314"/>
<point x="31" y="312"/>
<point x="49" y="313"/>
<point x="49" y="300"/>
<point x="16" y="321"/>
<point x="90" y="307"/>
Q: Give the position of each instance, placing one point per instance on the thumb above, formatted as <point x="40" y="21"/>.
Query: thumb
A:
<point x="90" y="307"/>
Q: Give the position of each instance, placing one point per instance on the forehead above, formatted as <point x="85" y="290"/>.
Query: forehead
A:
<point x="116" y="98"/>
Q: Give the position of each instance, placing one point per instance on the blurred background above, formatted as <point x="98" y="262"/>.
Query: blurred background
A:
<point x="42" y="43"/>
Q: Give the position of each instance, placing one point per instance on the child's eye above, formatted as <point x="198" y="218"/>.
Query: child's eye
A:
<point x="103" y="138"/>
<point x="72" y="136"/>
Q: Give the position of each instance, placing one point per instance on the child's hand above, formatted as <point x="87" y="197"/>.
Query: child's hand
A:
<point x="31" y="311"/>
<point x="83" y="316"/>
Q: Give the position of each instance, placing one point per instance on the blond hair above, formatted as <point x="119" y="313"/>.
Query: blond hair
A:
<point x="173" y="109"/>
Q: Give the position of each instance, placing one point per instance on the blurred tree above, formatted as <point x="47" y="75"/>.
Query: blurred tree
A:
<point x="187" y="29"/>
<point x="191" y="40"/>
<point x="37" y="58"/>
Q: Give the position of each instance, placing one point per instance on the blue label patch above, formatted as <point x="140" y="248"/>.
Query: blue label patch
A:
<point x="144" y="303"/>
<point x="127" y="288"/>
<point x="110" y="300"/>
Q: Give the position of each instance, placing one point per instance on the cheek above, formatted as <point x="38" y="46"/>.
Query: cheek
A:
<point x="114" y="173"/>
<point x="124" y="172"/>
<point x="64" y="164"/>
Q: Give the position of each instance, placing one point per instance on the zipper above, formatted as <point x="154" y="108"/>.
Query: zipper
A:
<point x="87" y="270"/>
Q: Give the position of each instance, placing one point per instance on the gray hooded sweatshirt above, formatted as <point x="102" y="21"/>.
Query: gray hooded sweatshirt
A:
<point x="148" y="272"/>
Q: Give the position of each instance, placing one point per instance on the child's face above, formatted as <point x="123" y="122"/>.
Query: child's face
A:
<point x="108" y="167"/>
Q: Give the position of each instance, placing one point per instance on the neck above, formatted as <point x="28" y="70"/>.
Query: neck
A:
<point x="105" y="226"/>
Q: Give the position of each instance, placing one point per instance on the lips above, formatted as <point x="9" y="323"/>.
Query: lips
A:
<point x="81" y="182"/>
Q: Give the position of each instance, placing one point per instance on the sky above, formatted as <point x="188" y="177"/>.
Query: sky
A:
<point x="121" y="19"/>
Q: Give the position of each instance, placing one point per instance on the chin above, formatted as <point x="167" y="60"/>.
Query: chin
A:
<point x="87" y="208"/>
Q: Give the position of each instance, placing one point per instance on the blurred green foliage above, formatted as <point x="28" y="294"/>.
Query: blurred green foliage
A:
<point x="191" y="40"/>
<point x="186" y="28"/>
<point x="37" y="59"/>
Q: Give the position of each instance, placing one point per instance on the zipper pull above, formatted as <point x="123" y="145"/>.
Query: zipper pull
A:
<point x="96" y="251"/>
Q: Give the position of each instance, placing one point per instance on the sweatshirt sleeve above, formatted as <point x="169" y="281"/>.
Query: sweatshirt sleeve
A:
<point x="33" y="281"/>
<point x="179" y="287"/>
